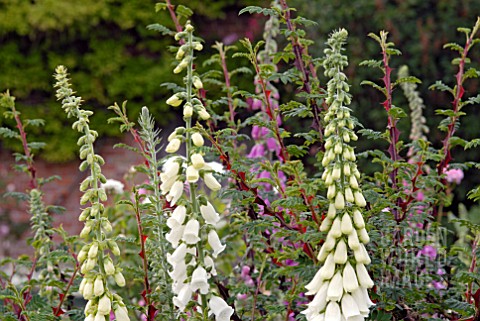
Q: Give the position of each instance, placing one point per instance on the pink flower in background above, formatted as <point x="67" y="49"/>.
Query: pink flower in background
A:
<point x="429" y="251"/>
<point x="454" y="175"/>
<point x="257" y="151"/>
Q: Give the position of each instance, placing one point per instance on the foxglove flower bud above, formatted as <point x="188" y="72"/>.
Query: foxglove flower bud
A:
<point x="98" y="288"/>
<point x="203" y="114"/>
<point x="197" y="82"/>
<point x="175" y="235"/>
<point x="187" y="110"/>
<point x="88" y="290"/>
<point x="328" y="269"/>
<point x="92" y="252"/>
<point x="358" y="219"/>
<point x="197" y="139"/>
<point x="211" y="182"/>
<point x="108" y="266"/>
<point x="174" y="101"/>
<point x="119" y="279"/>
<point x="340" y="256"/>
<point x="339" y="201"/>
<point x="173" y="146"/>
<point x="197" y="161"/>
<point x="359" y="199"/>
<point x="104" y="305"/>
<point x="346" y="226"/>
<point x="192" y="174"/>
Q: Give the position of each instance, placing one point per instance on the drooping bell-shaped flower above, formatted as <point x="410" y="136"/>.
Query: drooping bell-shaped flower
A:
<point x="220" y="308"/>
<point x="200" y="280"/>
<point x="215" y="243"/>
<point x="209" y="214"/>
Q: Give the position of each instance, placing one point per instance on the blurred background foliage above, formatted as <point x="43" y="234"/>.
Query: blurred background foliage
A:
<point x="112" y="56"/>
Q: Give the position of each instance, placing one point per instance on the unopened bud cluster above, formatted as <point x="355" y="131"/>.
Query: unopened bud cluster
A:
<point x="94" y="257"/>
<point x="340" y="285"/>
<point x="192" y="223"/>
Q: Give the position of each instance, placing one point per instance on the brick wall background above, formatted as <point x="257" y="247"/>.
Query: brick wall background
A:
<point x="14" y="216"/>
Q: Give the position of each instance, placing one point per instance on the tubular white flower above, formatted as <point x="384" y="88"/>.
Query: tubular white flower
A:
<point x="99" y="317"/>
<point x="319" y="301"/>
<point x="350" y="307"/>
<point x="339" y="201"/>
<point x="326" y="224"/>
<point x="358" y="219"/>
<point x="209" y="214"/>
<point x="332" y="211"/>
<point x="175" y="192"/>
<point x="192" y="174"/>
<point x="359" y="199"/>
<point x="108" y="266"/>
<point x="173" y="146"/>
<point x="177" y="255"/>
<point x="119" y="279"/>
<point x="183" y="297"/>
<point x="104" y="305"/>
<point x="88" y="290"/>
<point x="349" y="195"/>
<point x="197" y="139"/>
<point x="315" y="284"/>
<point x="332" y="312"/>
<point x="328" y="269"/>
<point x="361" y="255"/>
<point x="340" y="256"/>
<point x="322" y="254"/>
<point x="363" y="236"/>
<point x="330" y="242"/>
<point x="121" y="313"/>
<point x="174" y="100"/>
<point x="363" y="277"/>
<point x="197" y="161"/>
<point x="98" y="288"/>
<point x="336" y="230"/>
<point x="346" y="226"/>
<point x="220" y="308"/>
<point x="187" y="110"/>
<point x="335" y="288"/>
<point x="353" y="241"/>
<point x="190" y="234"/>
<point x="178" y="216"/>
<point x="211" y="182"/>
<point x="175" y="235"/>
<point x="210" y="265"/>
<point x="215" y="243"/>
<point x="200" y="280"/>
<point x="203" y="114"/>
<point x="350" y="282"/>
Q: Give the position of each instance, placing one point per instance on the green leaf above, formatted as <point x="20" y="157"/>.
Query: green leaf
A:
<point x="372" y="63"/>
<point x="259" y="10"/>
<point x="374" y="85"/>
<point x="8" y="133"/>
<point x="453" y="46"/>
<point x="439" y="85"/>
<point x="409" y="79"/>
<point x="184" y="11"/>
<point x="161" y="28"/>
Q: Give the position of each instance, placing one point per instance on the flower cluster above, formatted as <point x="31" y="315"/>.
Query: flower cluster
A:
<point x="192" y="223"/>
<point x="96" y="263"/>
<point x="340" y="285"/>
